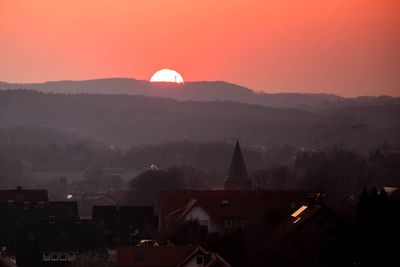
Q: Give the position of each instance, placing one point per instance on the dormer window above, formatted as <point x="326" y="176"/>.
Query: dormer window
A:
<point x="225" y="202"/>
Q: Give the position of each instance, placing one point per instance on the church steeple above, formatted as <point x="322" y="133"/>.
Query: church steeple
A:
<point x="237" y="177"/>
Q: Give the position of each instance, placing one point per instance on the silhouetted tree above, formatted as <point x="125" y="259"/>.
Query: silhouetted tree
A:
<point x="146" y="187"/>
<point x="377" y="221"/>
<point x="92" y="258"/>
<point x="188" y="232"/>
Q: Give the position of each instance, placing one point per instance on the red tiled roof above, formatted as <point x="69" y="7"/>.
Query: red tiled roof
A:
<point x="198" y="250"/>
<point x="164" y="256"/>
<point x="242" y="203"/>
<point x="301" y="216"/>
<point x="217" y="260"/>
<point x="117" y="198"/>
<point x="160" y="256"/>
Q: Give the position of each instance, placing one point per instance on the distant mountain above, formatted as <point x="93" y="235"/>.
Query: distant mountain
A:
<point x="136" y="120"/>
<point x="202" y="91"/>
<point x="39" y="136"/>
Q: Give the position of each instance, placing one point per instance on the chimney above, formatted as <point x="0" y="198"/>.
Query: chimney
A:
<point x="19" y="195"/>
<point x="315" y="199"/>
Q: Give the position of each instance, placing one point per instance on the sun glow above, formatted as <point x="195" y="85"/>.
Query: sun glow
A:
<point x="166" y="75"/>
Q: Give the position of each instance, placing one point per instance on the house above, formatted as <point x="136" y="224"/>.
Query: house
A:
<point x="20" y="195"/>
<point x="313" y="235"/>
<point x="132" y="221"/>
<point x="26" y="204"/>
<point x="168" y="256"/>
<point x="39" y="232"/>
<point x="235" y="206"/>
<point x="221" y="210"/>
<point x="55" y="242"/>
<point x="30" y="211"/>
<point x="86" y="202"/>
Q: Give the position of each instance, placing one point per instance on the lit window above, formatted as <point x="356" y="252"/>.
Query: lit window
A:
<point x="54" y="256"/>
<point x="299" y="211"/>
<point x="63" y="256"/>
<point x="46" y="256"/>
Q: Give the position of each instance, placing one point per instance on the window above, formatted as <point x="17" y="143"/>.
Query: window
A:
<point x="62" y="235"/>
<point x="139" y="256"/>
<point x="54" y="256"/>
<point x="46" y="256"/>
<point x="199" y="259"/>
<point x="204" y="222"/>
<point x="225" y="202"/>
<point x="71" y="256"/>
<point x="32" y="236"/>
<point x="299" y="211"/>
<point x="228" y="223"/>
<point x="63" y="256"/>
<point x="39" y="205"/>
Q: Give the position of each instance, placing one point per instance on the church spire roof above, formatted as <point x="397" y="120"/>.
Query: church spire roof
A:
<point x="237" y="177"/>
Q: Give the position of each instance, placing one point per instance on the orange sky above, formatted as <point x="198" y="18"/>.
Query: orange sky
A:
<point x="346" y="47"/>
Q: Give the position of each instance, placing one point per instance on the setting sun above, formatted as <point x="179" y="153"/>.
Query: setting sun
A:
<point x="166" y="75"/>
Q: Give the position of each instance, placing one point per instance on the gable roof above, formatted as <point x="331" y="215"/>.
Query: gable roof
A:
<point x="198" y="250"/>
<point x="164" y="256"/>
<point x="302" y="216"/>
<point x="179" y="215"/>
<point x="217" y="260"/>
<point x="85" y="205"/>
<point x="226" y="204"/>
<point x="160" y="256"/>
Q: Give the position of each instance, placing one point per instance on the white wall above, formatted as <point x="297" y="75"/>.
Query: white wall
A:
<point x="198" y="213"/>
<point x="192" y="262"/>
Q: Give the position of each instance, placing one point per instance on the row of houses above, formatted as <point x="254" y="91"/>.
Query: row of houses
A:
<point x="39" y="232"/>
